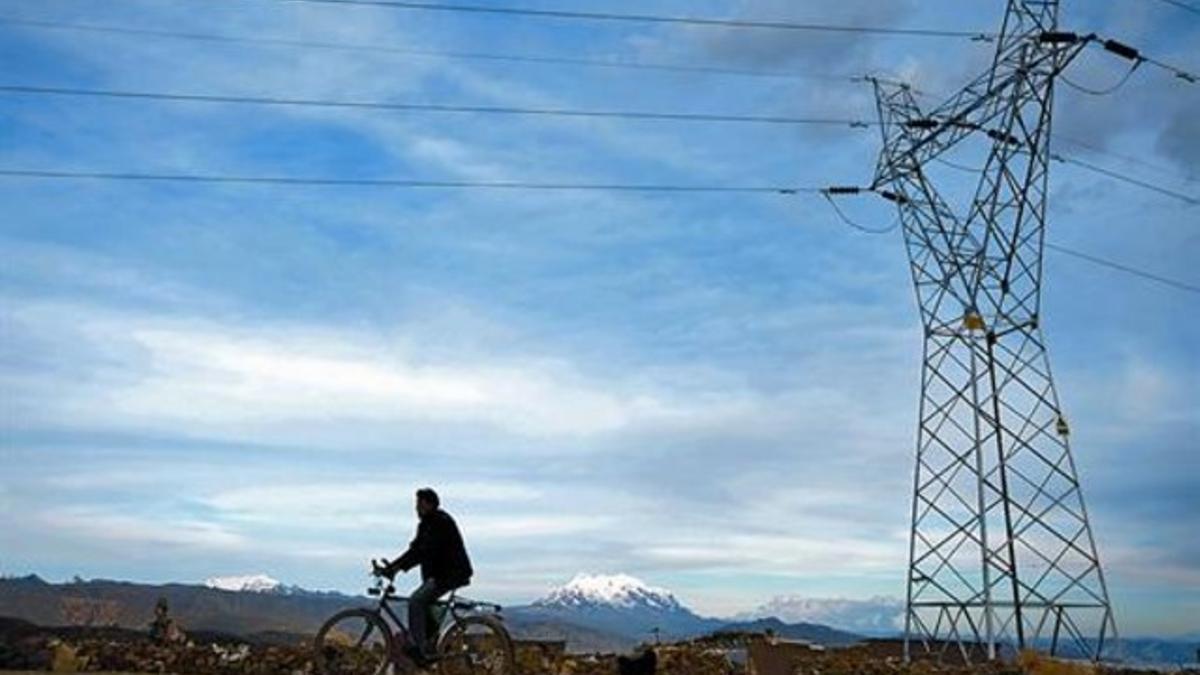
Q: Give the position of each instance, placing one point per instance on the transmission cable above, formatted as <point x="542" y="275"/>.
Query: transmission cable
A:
<point x="1182" y="5"/>
<point x="1089" y="167"/>
<point x="1107" y="172"/>
<point x="1091" y="147"/>
<point x="444" y="108"/>
<point x="429" y="53"/>
<point x="1186" y="75"/>
<point x="961" y="167"/>
<point x="1187" y="199"/>
<point x="500" y="185"/>
<point x="1105" y="91"/>
<point x="828" y="195"/>
<point x="1104" y="262"/>
<point x="653" y="18"/>
<point x="397" y="182"/>
<point x="1135" y="55"/>
<point x="1086" y="145"/>
<point x="428" y="107"/>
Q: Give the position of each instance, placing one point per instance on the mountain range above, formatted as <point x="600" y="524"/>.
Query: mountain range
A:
<point x="591" y="613"/>
<point x="623" y="606"/>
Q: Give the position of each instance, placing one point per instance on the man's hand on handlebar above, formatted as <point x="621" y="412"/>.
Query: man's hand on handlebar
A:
<point x="382" y="568"/>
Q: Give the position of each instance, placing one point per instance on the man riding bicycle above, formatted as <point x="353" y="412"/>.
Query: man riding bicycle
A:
<point x="439" y="549"/>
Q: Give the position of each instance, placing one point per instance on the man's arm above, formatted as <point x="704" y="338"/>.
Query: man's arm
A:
<point x="409" y="559"/>
<point x="412" y="557"/>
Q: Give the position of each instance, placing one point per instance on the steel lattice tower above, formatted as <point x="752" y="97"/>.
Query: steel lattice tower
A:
<point x="1002" y="554"/>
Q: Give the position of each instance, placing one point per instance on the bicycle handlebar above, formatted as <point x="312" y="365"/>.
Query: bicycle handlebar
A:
<point x="379" y="571"/>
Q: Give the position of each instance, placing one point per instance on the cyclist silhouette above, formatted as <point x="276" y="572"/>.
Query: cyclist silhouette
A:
<point x="439" y="549"/>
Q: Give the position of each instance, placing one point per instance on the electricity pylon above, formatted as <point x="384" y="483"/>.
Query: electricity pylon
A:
<point x="1001" y="554"/>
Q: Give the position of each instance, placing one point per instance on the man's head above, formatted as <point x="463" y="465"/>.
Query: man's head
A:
<point x="427" y="502"/>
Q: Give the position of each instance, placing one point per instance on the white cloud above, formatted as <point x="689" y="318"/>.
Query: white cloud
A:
<point x="524" y="526"/>
<point x="274" y="382"/>
<point x="306" y="497"/>
<point x="190" y="375"/>
<point x="106" y="526"/>
<point x="872" y="616"/>
<point x="786" y="553"/>
<point x="494" y="511"/>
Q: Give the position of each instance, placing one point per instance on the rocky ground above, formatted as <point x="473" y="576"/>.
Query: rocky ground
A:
<point x="29" y="649"/>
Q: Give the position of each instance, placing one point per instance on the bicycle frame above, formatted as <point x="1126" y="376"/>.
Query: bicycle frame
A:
<point x="455" y="608"/>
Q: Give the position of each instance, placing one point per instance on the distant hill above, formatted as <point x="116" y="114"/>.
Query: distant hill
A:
<point x="810" y="632"/>
<point x="591" y="613"/>
<point x="131" y="605"/>
<point x="628" y="612"/>
<point x="1161" y="653"/>
<point x="579" y="639"/>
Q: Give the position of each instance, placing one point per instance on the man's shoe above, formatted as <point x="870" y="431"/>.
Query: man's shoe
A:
<point x="417" y="656"/>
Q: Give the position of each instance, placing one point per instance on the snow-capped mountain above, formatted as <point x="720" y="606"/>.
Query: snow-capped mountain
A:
<point x="613" y="591"/>
<point x="617" y="604"/>
<point x="251" y="583"/>
<point x="633" y="611"/>
<point x="880" y="615"/>
<point x="263" y="584"/>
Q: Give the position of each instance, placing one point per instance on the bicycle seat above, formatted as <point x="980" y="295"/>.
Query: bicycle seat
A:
<point x="449" y="601"/>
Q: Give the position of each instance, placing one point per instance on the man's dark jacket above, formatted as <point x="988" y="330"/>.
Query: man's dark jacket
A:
<point x="438" y="548"/>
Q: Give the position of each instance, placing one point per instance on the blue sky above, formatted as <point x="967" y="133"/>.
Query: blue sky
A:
<point x="716" y="393"/>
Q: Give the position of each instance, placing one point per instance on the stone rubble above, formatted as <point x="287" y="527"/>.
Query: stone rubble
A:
<point x="140" y="654"/>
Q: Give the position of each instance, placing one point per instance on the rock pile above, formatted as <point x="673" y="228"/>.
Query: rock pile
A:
<point x="25" y="647"/>
<point x="163" y="629"/>
<point x="148" y="656"/>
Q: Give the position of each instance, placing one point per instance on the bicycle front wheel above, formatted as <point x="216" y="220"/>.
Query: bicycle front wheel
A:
<point x="353" y="642"/>
<point x="476" y="645"/>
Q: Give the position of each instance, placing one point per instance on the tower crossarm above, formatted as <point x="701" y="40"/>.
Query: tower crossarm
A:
<point x="976" y="107"/>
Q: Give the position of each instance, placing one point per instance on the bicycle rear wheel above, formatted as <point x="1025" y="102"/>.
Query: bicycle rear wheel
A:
<point x="353" y="642"/>
<point x="476" y="645"/>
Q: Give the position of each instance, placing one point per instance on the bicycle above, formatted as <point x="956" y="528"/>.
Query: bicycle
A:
<point x="362" y="640"/>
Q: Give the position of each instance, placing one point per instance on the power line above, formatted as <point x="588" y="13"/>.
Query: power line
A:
<point x="1099" y="91"/>
<point x="223" y="179"/>
<point x="848" y="222"/>
<point x="1186" y="75"/>
<point x="506" y="110"/>
<point x="653" y="18"/>
<point x="430" y="53"/>
<point x="1136" y="57"/>
<point x="1182" y="5"/>
<point x="398" y="182"/>
<point x="541" y="59"/>
<point x="429" y="107"/>
<point x="1089" y="167"/>
<point x="1121" y="267"/>
<point x="1092" y="147"/>
<point x="1086" y="145"/>
<point x="1187" y="199"/>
